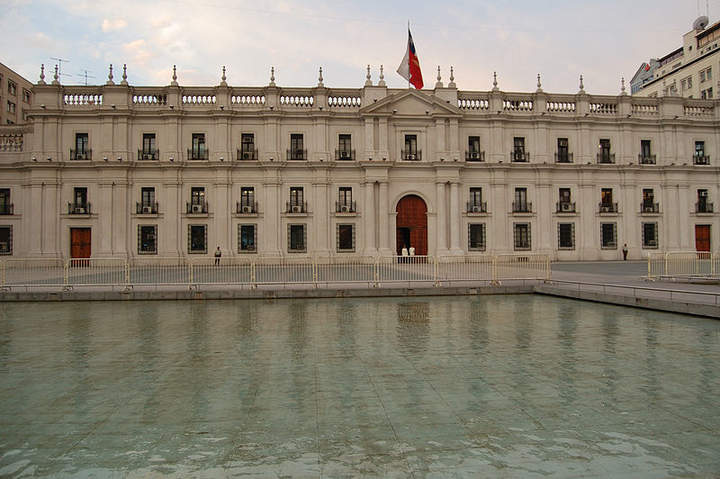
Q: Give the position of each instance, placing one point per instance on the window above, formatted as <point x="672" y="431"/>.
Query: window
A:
<point x="197" y="195"/>
<point x="344" y="147"/>
<point x="6" y="239"/>
<point x="650" y="235"/>
<point x="521" y="236"/>
<point x="6" y="207"/>
<point x="147" y="239"/>
<point x="475" y="199"/>
<point x="608" y="235"/>
<point x="474" y="149"/>
<point x="297" y="239"/>
<point x="699" y="149"/>
<point x="345" y="201"/>
<point x="12" y="88"/>
<point x="26" y="96"/>
<point x="521" y="204"/>
<point x="247" y="199"/>
<point x="476" y="237"/>
<point x="345" y="238"/>
<point x="82" y="151"/>
<point x="80" y="197"/>
<point x="411" y="150"/>
<point x="566" y="235"/>
<point x="606" y="196"/>
<point x="247" y="147"/>
<point x="147" y="196"/>
<point x="519" y="149"/>
<point x="10" y="107"/>
<point x="297" y="151"/>
<point x="197" y="239"/>
<point x="645" y="152"/>
<point x="564" y="195"/>
<point x="247" y="238"/>
<point x="296" y="196"/>
<point x="149" y="146"/>
<point x="199" y="149"/>
<point x="604" y="156"/>
<point x="708" y="73"/>
<point x="703" y="204"/>
<point x="563" y="153"/>
<point x="648" y="201"/>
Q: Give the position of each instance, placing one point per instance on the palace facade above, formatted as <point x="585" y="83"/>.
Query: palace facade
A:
<point x="171" y="171"/>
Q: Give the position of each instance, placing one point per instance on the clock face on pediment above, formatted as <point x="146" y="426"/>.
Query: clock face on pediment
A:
<point x="412" y="103"/>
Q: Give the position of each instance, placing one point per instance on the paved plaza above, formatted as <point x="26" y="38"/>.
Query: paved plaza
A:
<point x="492" y="386"/>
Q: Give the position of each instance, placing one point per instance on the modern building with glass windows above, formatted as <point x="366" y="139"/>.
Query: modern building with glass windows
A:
<point x="126" y="171"/>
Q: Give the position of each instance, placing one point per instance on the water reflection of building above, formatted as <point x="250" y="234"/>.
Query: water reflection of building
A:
<point x="413" y="326"/>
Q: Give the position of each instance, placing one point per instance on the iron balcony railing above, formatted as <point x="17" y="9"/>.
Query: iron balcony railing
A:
<point x="565" y="207"/>
<point x="606" y="207"/>
<point x="80" y="155"/>
<point x="647" y="159"/>
<point x="344" y="155"/>
<point x="144" y="155"/>
<point x="522" y="207"/>
<point x="518" y="156"/>
<point x="297" y="154"/>
<point x="649" y="207"/>
<point x="196" y="208"/>
<point x="563" y="157"/>
<point x="701" y="160"/>
<point x="247" y="154"/>
<point x="296" y="207"/>
<point x="411" y="155"/>
<point x="7" y="209"/>
<point x="606" y="158"/>
<point x="148" y="208"/>
<point x="246" y="207"/>
<point x="703" y="207"/>
<point x="194" y="155"/>
<point x="345" y="207"/>
<point x="79" y="208"/>
<point x="474" y="156"/>
<point x="476" y="207"/>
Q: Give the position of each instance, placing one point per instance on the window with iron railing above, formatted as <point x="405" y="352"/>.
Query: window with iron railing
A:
<point x="149" y="150"/>
<point x="297" y="238"/>
<point x="345" y="203"/>
<point x="197" y="239"/>
<point x="565" y="204"/>
<point x="703" y="204"/>
<point x="345" y="238"/>
<point x="344" y="151"/>
<point x="247" y="238"/>
<point x="648" y="204"/>
<point x="646" y="157"/>
<point x="521" y="204"/>
<point x="247" y="203"/>
<point x="608" y="235"/>
<point x="563" y="154"/>
<point x="649" y="235"/>
<point x="476" y="237"/>
<point x="475" y="201"/>
<point x="411" y="151"/>
<point x="147" y="239"/>
<point x="605" y="155"/>
<point x="82" y="150"/>
<point x="297" y="150"/>
<point x="6" y="240"/>
<point x="199" y="148"/>
<point x="6" y="206"/>
<point x="147" y="204"/>
<point x="247" y="149"/>
<point x="198" y="203"/>
<point x="700" y="157"/>
<point x="566" y="236"/>
<point x="473" y="152"/>
<point x="80" y="204"/>
<point x="519" y="154"/>
<point x="521" y="236"/>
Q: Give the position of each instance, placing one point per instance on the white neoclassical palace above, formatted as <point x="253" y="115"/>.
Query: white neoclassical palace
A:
<point x="172" y="171"/>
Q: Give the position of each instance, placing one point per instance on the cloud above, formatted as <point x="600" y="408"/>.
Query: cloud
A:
<point x="138" y="52"/>
<point x="112" y="25"/>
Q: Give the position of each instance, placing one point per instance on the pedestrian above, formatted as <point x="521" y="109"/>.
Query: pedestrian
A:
<point x="218" y="254"/>
<point x="404" y="255"/>
<point x="625" y="251"/>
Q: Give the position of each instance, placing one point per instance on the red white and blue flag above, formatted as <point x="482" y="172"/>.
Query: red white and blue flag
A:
<point x="409" y="69"/>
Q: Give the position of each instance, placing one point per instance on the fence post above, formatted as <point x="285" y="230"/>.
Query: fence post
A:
<point x="376" y="271"/>
<point x="435" y="272"/>
<point x="127" y="272"/>
<point x="713" y="258"/>
<point x="665" y="265"/>
<point x="547" y="268"/>
<point x="314" y="272"/>
<point x="649" y="268"/>
<point x="494" y="269"/>
<point x="190" y="273"/>
<point x="66" y="272"/>
<point x="252" y="274"/>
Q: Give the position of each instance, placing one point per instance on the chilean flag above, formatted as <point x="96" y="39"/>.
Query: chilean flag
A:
<point x="409" y="69"/>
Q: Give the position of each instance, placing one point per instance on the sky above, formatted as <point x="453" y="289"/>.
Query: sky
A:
<point x="603" y="40"/>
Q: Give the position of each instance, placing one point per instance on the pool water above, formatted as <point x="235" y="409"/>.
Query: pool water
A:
<point x="491" y="386"/>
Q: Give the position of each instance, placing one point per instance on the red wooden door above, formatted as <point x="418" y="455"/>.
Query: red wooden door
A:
<point x="702" y="237"/>
<point x="412" y="216"/>
<point x="80" y="246"/>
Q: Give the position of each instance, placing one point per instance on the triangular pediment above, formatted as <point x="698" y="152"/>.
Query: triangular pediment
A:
<point x="411" y="102"/>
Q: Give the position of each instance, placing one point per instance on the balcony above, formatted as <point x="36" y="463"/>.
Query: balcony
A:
<point x="605" y="158"/>
<point x="565" y="207"/>
<point x="196" y="208"/>
<point x="474" y="156"/>
<point x="80" y="155"/>
<point x="197" y="155"/>
<point x="475" y="207"/>
<point x="608" y="208"/>
<point x="7" y="209"/>
<point x="646" y="159"/>
<point x="297" y="155"/>
<point x="247" y="154"/>
<point x="518" y="156"/>
<point x="411" y="155"/>
<point x="563" y="157"/>
<point x="701" y="160"/>
<point x="649" y="207"/>
<point x="146" y="155"/>
<point x="703" y="207"/>
<point x="146" y="208"/>
<point x="293" y="207"/>
<point x="344" y="155"/>
<point x="345" y="207"/>
<point x="246" y="208"/>
<point x="522" y="207"/>
<point x="79" y="208"/>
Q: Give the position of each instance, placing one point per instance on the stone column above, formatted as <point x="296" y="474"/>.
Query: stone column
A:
<point x="369" y="141"/>
<point x="170" y="234"/>
<point x="369" y="217"/>
<point x="384" y="218"/>
<point x="455" y="248"/>
<point x="102" y="206"/>
<point x="270" y="238"/>
<point x="383" y="147"/>
<point x="442" y="223"/>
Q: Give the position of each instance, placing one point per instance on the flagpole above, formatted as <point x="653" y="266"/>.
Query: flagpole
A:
<point x="408" y="41"/>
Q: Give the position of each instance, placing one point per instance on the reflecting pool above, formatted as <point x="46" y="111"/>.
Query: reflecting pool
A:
<point x="491" y="386"/>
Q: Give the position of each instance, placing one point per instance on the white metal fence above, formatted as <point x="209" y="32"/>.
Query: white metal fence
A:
<point x="313" y="272"/>
<point x="684" y="264"/>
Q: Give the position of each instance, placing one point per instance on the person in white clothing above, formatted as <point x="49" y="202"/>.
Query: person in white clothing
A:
<point x="412" y="251"/>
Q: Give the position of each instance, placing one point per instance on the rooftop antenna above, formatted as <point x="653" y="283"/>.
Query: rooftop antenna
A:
<point x="85" y="75"/>
<point x="60" y="60"/>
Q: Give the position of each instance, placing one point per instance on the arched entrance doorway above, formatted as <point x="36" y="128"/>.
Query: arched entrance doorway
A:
<point x="411" y="225"/>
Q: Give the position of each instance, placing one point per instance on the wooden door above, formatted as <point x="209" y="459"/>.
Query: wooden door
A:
<point x="80" y="246"/>
<point x="412" y="216"/>
<point x="702" y="237"/>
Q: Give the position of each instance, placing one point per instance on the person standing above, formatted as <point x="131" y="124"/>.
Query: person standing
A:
<point x="625" y="252"/>
<point x="218" y="254"/>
